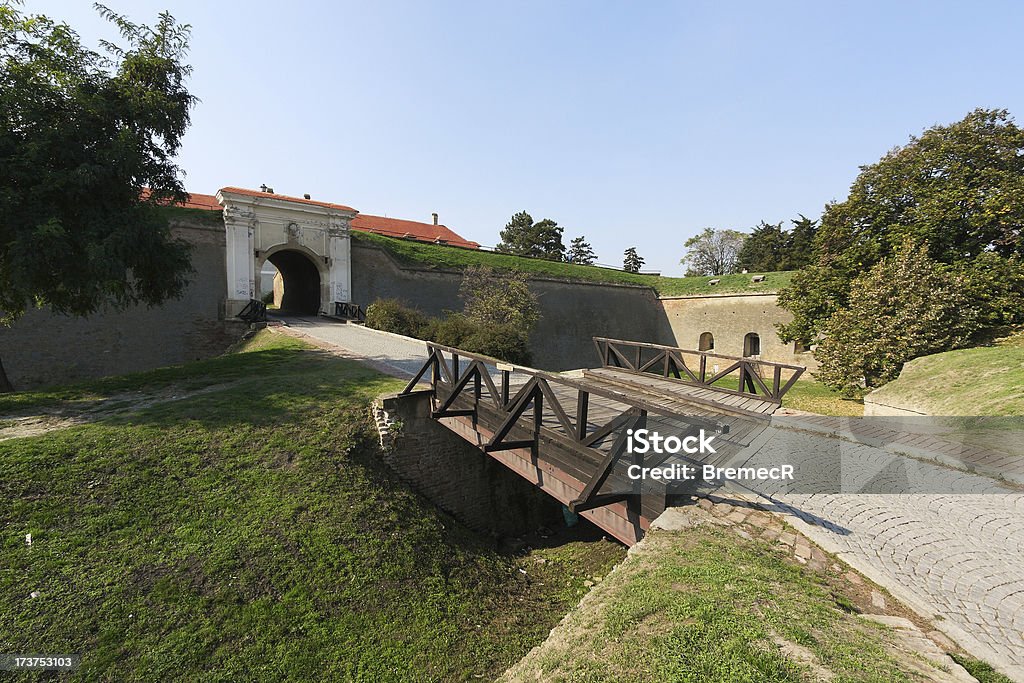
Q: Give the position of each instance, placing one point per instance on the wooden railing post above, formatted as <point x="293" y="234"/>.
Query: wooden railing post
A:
<point x="582" y="408"/>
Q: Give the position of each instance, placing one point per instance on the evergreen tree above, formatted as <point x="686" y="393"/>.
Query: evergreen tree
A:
<point x="580" y="252"/>
<point x="633" y="261"/>
<point x="799" y="245"/>
<point x="523" y="237"/>
<point x="764" y="249"/>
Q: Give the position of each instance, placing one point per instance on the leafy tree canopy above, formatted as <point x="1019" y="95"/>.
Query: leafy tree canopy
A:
<point x="81" y="135"/>
<point x="713" y="252"/>
<point x="523" y="237"/>
<point x="580" y="252"/>
<point x="633" y="262"/>
<point x="957" y="188"/>
<point x="907" y="305"/>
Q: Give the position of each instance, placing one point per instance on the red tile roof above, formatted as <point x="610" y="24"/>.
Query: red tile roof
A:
<point x="380" y="225"/>
<point x="284" y="197"/>
<point x="195" y="201"/>
<point x="422" y="232"/>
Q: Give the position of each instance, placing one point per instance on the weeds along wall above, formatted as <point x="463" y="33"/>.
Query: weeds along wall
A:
<point x="571" y="313"/>
<point x="43" y="349"/>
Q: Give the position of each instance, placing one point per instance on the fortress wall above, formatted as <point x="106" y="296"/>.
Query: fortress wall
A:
<point x="571" y="313"/>
<point x="729" y="317"/>
<point x="43" y="348"/>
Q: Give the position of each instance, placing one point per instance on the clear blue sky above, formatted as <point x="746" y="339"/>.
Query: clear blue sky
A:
<point x="634" y="123"/>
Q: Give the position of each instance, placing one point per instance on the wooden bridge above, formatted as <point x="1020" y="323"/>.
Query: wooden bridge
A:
<point x="567" y="432"/>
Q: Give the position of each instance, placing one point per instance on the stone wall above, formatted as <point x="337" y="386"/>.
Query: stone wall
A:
<point x="456" y="476"/>
<point x="571" y="313"/>
<point x="730" y="317"/>
<point x="43" y="349"/>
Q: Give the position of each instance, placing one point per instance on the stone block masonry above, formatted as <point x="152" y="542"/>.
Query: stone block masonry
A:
<point x="455" y="476"/>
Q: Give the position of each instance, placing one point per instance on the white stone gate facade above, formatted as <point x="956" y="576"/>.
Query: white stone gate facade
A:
<point x="261" y="225"/>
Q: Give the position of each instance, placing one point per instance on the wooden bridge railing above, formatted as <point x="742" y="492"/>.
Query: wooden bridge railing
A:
<point x="518" y="420"/>
<point x="697" y="368"/>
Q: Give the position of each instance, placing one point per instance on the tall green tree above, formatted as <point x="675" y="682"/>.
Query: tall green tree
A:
<point x="713" y="252"/>
<point x="764" y="250"/>
<point x="907" y="305"/>
<point x="81" y="135"/>
<point x="958" y="188"/>
<point x="523" y="237"/>
<point x="580" y="252"/>
<point x="799" y="244"/>
<point x="633" y="262"/>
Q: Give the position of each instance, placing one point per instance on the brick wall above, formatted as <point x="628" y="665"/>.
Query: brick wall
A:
<point x="44" y="349"/>
<point x="458" y="477"/>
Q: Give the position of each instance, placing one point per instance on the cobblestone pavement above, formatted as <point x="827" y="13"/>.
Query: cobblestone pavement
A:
<point x="957" y="559"/>
<point x="953" y="551"/>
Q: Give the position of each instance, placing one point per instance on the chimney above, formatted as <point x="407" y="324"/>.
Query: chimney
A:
<point x="435" y="218"/>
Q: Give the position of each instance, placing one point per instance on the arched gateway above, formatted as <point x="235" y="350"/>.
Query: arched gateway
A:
<point x="307" y="241"/>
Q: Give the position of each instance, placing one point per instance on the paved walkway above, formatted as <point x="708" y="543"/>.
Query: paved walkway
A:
<point x="957" y="559"/>
<point x="401" y="354"/>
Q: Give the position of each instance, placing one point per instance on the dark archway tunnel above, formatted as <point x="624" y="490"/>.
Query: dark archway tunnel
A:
<point x="301" y="283"/>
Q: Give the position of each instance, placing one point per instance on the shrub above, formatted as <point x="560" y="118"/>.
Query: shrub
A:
<point x="391" y="315"/>
<point x="505" y="342"/>
<point x="499" y="298"/>
<point x="906" y="306"/>
<point x="453" y="330"/>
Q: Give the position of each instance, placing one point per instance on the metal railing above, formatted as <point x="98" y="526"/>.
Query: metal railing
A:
<point x="349" y="311"/>
<point x="697" y="368"/>
<point x="254" y="312"/>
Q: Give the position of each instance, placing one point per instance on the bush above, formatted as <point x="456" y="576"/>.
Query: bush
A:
<point x="505" y="342"/>
<point x="391" y="315"/>
<point x="499" y="298"/>
<point x="453" y="330"/>
<point x="906" y="306"/>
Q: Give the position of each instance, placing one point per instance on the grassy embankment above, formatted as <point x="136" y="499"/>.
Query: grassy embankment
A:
<point x="986" y="380"/>
<point x="705" y="604"/>
<point x="229" y="520"/>
<point x="413" y="253"/>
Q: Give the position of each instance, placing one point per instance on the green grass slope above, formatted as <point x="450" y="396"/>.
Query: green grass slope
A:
<point x="705" y="604"/>
<point x="408" y="252"/>
<point x="228" y="520"/>
<point x="980" y="381"/>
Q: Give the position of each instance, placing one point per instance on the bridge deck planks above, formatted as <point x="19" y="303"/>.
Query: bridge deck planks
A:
<point x="689" y="405"/>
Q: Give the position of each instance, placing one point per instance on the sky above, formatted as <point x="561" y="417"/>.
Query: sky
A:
<point x="632" y="123"/>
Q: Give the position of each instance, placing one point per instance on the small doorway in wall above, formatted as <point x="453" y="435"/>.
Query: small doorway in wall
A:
<point x="707" y="342"/>
<point x="300" y="280"/>
<point x="752" y="345"/>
